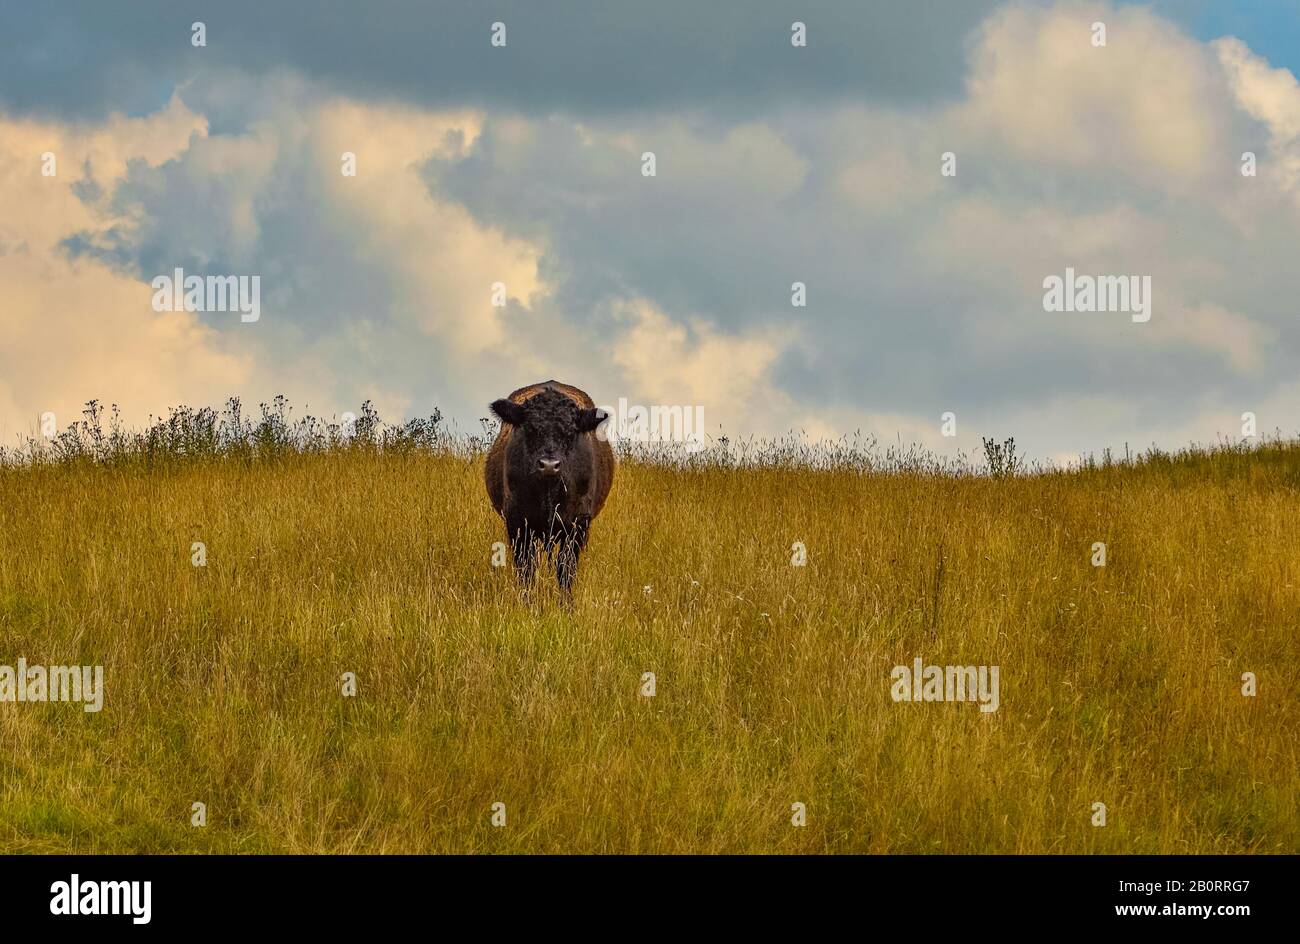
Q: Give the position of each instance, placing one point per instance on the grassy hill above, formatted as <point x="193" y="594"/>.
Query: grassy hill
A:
<point x="1120" y="684"/>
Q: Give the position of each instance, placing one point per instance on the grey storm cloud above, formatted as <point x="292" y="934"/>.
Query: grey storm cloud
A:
<point x="87" y="58"/>
<point x="891" y="320"/>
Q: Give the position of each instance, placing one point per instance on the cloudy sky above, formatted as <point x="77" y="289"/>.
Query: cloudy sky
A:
<point x="774" y="164"/>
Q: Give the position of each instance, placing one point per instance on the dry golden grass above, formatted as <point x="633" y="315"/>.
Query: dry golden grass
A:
<point x="1119" y="684"/>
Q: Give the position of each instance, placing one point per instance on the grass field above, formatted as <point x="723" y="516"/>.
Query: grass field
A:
<point x="1120" y="684"/>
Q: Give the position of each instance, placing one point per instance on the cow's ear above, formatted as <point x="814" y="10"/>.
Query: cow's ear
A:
<point x="588" y="420"/>
<point x="508" y="411"/>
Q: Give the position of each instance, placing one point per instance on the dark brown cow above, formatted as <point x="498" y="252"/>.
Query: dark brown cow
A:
<point x="548" y="474"/>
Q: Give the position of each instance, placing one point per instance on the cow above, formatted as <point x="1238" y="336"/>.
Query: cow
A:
<point x="548" y="474"/>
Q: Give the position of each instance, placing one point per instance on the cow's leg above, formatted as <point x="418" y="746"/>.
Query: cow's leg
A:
<point x="571" y="545"/>
<point x="521" y="546"/>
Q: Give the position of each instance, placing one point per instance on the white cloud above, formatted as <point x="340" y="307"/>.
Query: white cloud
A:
<point x="74" y="330"/>
<point x="1147" y="103"/>
<point x="1271" y="96"/>
<point x="667" y="362"/>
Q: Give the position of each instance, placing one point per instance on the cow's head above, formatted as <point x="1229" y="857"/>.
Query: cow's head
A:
<point x="551" y="425"/>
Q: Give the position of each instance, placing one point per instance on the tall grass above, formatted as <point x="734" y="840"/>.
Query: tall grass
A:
<point x="369" y="551"/>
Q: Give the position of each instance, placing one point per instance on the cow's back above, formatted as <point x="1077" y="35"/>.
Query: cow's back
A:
<point x="494" y="471"/>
